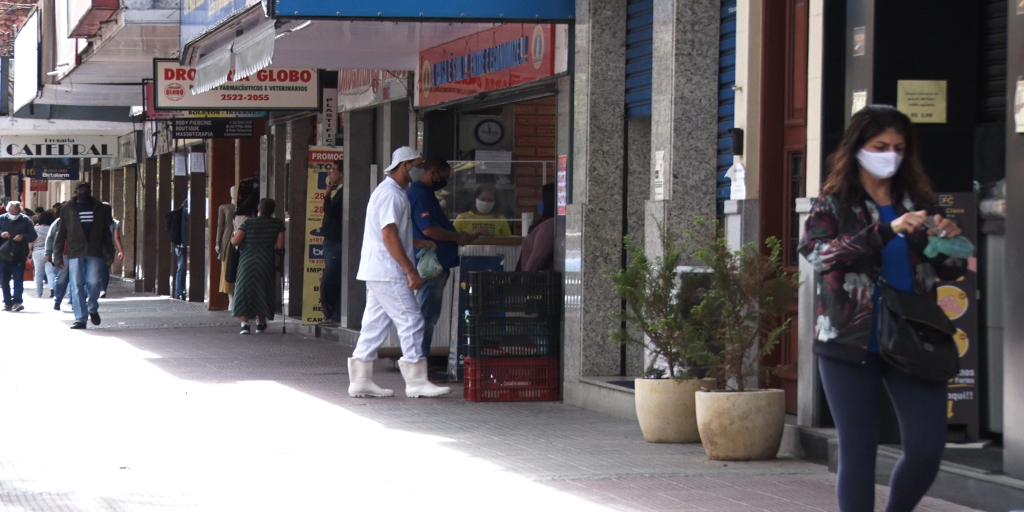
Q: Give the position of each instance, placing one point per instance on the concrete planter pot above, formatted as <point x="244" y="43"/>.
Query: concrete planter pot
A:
<point x="665" y="409"/>
<point x="741" y="425"/>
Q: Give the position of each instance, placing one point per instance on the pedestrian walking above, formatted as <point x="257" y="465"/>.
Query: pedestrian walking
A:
<point x="16" y="232"/>
<point x="430" y="222"/>
<point x="334" y="209"/>
<point x="60" y="288"/>
<point x="868" y="225"/>
<point x="90" y="246"/>
<point x="257" y="238"/>
<point x="386" y="265"/>
<point x="43" y="270"/>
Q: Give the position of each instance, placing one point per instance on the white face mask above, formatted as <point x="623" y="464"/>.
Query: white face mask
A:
<point x="484" y="206"/>
<point x="416" y="173"/>
<point x="880" y="165"/>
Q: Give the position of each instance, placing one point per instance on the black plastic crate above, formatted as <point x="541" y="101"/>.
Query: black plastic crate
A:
<point x="512" y="336"/>
<point x="514" y="292"/>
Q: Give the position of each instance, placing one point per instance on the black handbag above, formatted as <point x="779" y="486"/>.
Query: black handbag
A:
<point x="231" y="273"/>
<point x="8" y="250"/>
<point x="916" y="336"/>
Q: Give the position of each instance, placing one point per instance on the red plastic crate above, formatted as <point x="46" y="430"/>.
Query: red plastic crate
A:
<point x="519" y="379"/>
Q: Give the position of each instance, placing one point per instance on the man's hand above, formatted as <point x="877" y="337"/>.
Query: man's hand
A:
<point x="415" y="281"/>
<point x="5" y="235"/>
<point x="466" y="238"/>
<point x="423" y="244"/>
<point x="479" y="231"/>
<point x="19" y="238"/>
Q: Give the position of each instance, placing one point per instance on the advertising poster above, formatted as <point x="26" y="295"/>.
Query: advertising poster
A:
<point x="494" y="59"/>
<point x="563" y="185"/>
<point x="320" y="160"/>
<point x="960" y="302"/>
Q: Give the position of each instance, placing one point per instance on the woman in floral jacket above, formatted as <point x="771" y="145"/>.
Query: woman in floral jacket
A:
<point x="869" y="223"/>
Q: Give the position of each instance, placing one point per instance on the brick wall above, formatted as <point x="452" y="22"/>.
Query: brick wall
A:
<point x="535" y="132"/>
<point x="12" y="15"/>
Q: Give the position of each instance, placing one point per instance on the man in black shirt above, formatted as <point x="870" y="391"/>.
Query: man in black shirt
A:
<point x="85" y="227"/>
<point x="334" y="206"/>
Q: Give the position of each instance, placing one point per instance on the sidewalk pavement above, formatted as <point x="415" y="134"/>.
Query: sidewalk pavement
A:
<point x="165" y="406"/>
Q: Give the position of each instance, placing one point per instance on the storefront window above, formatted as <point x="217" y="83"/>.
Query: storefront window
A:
<point x="494" y="195"/>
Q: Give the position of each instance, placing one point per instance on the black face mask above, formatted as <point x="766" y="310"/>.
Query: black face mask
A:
<point x="82" y="196"/>
<point x="439" y="184"/>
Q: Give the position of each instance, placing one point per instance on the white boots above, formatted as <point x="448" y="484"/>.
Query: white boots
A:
<point x="360" y="380"/>
<point x="416" y="383"/>
<point x="360" y="376"/>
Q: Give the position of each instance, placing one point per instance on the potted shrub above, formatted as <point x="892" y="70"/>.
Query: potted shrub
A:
<point x="745" y="310"/>
<point x="657" y="306"/>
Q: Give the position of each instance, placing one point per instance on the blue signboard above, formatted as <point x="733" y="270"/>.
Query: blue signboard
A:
<point x="199" y="16"/>
<point x="53" y="169"/>
<point x="535" y="11"/>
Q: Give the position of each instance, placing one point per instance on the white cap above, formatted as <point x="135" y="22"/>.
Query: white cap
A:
<point x="402" y="154"/>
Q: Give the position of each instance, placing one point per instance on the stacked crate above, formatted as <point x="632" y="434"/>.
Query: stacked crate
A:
<point x="513" y="334"/>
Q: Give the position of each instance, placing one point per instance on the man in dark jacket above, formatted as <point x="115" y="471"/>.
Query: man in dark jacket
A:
<point x="334" y="208"/>
<point x="84" y="226"/>
<point x="19" y="230"/>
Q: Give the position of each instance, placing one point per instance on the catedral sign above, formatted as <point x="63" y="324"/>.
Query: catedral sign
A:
<point x="494" y="59"/>
<point x="23" y="146"/>
<point x="268" y="89"/>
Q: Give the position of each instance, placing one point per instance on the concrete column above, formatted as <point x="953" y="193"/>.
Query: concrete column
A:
<point x="279" y="164"/>
<point x="197" y="243"/>
<point x="164" y="248"/>
<point x="129" y="220"/>
<point x="359" y="157"/>
<point x="593" y="224"/>
<point x="117" y="203"/>
<point x="150" y="211"/>
<point x="302" y="133"/>
<point x="684" y="116"/>
<point x="221" y="159"/>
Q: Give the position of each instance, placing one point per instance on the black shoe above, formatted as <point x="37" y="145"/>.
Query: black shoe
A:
<point x="245" y="329"/>
<point x="56" y="307"/>
<point x="103" y="295"/>
<point x="261" y="328"/>
<point x="51" y="294"/>
<point x="94" y="318"/>
<point x="18" y="307"/>
<point x="7" y="308"/>
<point x="78" y="325"/>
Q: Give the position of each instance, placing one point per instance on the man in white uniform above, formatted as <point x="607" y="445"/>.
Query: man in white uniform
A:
<point x="386" y="265"/>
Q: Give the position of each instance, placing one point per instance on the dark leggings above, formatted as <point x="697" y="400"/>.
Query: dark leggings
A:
<point x="853" y="392"/>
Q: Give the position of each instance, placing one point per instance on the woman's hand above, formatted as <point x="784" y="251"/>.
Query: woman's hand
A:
<point x="947" y="228"/>
<point x="909" y="221"/>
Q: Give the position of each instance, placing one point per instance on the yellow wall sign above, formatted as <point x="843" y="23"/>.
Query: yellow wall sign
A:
<point x="320" y="160"/>
<point x="923" y="101"/>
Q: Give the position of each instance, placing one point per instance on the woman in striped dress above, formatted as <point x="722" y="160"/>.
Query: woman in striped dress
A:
<point x="257" y="238"/>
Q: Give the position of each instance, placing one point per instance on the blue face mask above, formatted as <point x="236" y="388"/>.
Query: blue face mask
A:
<point x="540" y="208"/>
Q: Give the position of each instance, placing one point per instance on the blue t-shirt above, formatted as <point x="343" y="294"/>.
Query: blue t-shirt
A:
<point x="895" y="269"/>
<point x="427" y="212"/>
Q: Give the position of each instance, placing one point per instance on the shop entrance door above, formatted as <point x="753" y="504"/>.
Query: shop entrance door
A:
<point x="784" y="131"/>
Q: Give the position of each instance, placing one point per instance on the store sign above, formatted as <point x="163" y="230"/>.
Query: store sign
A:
<point x="267" y="89"/>
<point x="212" y="128"/>
<point x="152" y="113"/>
<point x="74" y="146"/>
<point x="359" y="88"/>
<point x="461" y="10"/>
<point x="491" y="60"/>
<point x="923" y="101"/>
<point x="320" y="160"/>
<point x="328" y="121"/>
<point x="201" y="16"/>
<point x="562" y="184"/>
<point x="960" y="302"/>
<point x="53" y="169"/>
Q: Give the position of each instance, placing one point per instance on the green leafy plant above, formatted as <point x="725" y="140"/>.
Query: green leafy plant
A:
<point x="745" y="307"/>
<point x="658" y="304"/>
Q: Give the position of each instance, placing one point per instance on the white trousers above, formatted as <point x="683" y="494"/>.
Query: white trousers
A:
<point x="386" y="303"/>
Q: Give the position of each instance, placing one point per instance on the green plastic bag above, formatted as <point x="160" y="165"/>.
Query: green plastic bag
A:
<point x="428" y="266"/>
<point x="956" y="247"/>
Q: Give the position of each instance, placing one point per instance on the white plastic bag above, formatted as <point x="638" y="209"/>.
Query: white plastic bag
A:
<point x="428" y="267"/>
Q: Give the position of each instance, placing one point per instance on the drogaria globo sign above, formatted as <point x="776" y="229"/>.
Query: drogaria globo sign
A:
<point x="267" y="89"/>
<point x="56" y="146"/>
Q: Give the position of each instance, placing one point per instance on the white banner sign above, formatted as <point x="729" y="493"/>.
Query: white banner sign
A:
<point x="71" y="146"/>
<point x="268" y="89"/>
<point x="358" y="88"/>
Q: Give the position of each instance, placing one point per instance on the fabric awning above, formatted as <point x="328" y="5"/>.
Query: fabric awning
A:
<point x="254" y="50"/>
<point x="212" y="69"/>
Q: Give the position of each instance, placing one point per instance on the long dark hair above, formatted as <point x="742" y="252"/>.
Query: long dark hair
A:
<point x="844" y="173"/>
<point x="547" y="195"/>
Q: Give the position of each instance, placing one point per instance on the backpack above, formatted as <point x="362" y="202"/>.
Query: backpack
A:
<point x="173" y="221"/>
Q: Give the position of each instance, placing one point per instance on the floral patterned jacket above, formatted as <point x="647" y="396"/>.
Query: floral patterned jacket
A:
<point x="844" y="241"/>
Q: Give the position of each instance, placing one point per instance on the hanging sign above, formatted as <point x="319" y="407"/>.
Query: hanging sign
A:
<point x="491" y="60"/>
<point x="320" y="160"/>
<point x="39" y="186"/>
<point x="563" y="184"/>
<point x="960" y="302"/>
<point x="267" y="89"/>
<point x="212" y="128"/>
<point x="50" y="146"/>
<point x="152" y="113"/>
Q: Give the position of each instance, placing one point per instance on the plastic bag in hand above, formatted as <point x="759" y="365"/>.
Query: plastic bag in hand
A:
<point x="956" y="247"/>
<point x="428" y="266"/>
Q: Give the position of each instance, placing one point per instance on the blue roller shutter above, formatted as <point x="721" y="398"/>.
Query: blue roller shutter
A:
<point x="726" y="96"/>
<point x="639" y="57"/>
